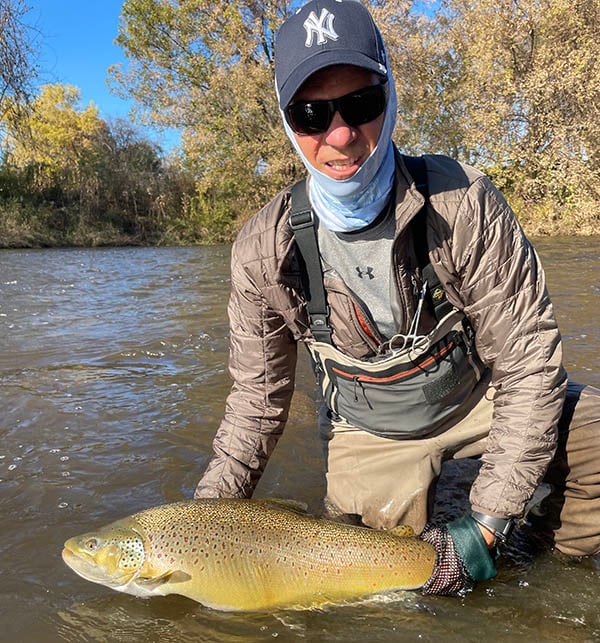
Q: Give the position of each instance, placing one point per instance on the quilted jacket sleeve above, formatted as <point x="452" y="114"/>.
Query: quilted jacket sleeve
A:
<point x="262" y="364"/>
<point x="502" y="286"/>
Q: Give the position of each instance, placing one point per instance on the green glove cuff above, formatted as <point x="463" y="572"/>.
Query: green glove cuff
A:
<point x="471" y="547"/>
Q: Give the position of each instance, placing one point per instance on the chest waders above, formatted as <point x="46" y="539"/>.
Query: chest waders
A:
<point x="423" y="380"/>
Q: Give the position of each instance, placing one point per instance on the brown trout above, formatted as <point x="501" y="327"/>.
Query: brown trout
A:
<point x="248" y="555"/>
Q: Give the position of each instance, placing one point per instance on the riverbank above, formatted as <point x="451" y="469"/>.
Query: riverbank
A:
<point x="24" y="225"/>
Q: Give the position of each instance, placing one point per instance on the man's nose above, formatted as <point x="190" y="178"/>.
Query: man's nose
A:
<point x="339" y="133"/>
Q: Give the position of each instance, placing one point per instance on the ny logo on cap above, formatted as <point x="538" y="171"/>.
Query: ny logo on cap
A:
<point x="321" y="27"/>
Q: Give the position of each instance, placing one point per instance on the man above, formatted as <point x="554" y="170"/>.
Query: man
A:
<point x="424" y="309"/>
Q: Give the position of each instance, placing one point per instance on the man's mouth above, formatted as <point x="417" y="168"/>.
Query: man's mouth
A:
<point x="342" y="164"/>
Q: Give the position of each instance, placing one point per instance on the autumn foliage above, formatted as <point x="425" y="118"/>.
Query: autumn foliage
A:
<point x="510" y="86"/>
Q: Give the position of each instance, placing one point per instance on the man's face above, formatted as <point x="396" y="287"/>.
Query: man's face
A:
<point x="341" y="150"/>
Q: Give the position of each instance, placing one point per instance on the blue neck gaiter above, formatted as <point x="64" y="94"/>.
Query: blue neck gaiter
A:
<point x="343" y="206"/>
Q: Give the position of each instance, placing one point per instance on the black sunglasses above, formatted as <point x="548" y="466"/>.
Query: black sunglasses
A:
<point x="356" y="108"/>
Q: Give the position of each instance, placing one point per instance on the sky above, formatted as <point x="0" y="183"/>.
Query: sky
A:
<point x="76" y="44"/>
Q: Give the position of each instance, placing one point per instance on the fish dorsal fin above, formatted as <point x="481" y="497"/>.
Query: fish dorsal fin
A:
<point x="403" y="531"/>
<point x="280" y="503"/>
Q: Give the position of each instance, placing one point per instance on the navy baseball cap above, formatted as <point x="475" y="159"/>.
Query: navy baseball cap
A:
<point x="324" y="33"/>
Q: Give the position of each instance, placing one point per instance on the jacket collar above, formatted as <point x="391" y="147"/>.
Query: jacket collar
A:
<point x="408" y="202"/>
<point x="408" y="199"/>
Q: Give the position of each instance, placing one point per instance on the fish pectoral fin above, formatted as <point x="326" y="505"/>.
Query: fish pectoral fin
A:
<point x="403" y="531"/>
<point x="152" y="582"/>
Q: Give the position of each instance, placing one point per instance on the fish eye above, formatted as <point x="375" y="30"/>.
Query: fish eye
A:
<point x="91" y="544"/>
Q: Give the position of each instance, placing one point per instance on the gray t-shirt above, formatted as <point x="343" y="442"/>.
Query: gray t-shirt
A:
<point x="363" y="260"/>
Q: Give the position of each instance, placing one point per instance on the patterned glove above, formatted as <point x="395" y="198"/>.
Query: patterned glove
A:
<point x="462" y="557"/>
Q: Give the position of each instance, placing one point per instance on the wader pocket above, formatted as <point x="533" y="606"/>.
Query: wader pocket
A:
<point x="402" y="396"/>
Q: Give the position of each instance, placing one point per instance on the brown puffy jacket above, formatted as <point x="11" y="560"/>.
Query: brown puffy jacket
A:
<point x="488" y="269"/>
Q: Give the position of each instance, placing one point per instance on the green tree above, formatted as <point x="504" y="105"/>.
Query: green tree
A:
<point x="142" y="193"/>
<point x="508" y="85"/>
<point x="207" y="67"/>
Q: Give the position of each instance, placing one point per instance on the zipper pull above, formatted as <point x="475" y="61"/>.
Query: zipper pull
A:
<point x="416" y="284"/>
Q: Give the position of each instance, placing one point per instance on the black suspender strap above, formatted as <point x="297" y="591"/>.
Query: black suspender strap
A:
<point x="438" y="303"/>
<point x="418" y="170"/>
<point x="305" y="233"/>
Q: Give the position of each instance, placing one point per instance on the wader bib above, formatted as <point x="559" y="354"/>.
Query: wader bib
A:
<point x="422" y="381"/>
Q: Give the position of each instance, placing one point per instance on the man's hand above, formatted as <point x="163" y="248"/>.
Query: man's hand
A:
<point x="463" y="557"/>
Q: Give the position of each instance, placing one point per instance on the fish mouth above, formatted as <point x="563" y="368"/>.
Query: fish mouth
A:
<point x="87" y="568"/>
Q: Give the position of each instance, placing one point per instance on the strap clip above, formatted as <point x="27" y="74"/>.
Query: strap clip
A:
<point x="502" y="528"/>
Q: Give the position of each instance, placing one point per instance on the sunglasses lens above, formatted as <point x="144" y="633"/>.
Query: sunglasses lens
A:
<point x="309" y="118"/>
<point x="363" y="106"/>
<point x="357" y="108"/>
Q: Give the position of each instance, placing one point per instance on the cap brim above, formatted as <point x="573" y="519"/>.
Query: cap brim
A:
<point x="321" y="60"/>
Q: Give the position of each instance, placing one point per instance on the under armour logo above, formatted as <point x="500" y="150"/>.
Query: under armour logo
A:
<point x="321" y="27"/>
<point x="368" y="272"/>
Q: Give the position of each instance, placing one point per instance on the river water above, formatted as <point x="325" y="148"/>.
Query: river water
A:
<point x="112" y="383"/>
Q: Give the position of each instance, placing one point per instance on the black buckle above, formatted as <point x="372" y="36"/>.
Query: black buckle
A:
<point x="319" y="326"/>
<point x="301" y="220"/>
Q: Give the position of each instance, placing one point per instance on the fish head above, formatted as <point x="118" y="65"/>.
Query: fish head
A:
<point x="112" y="556"/>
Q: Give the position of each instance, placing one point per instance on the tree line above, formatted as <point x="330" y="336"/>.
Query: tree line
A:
<point x="510" y="86"/>
<point x="72" y="178"/>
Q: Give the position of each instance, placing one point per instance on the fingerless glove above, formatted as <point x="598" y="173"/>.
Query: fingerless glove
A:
<point x="462" y="557"/>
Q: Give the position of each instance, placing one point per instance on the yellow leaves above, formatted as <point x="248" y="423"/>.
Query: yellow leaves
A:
<point x="56" y="132"/>
<point x="530" y="86"/>
<point x="509" y="83"/>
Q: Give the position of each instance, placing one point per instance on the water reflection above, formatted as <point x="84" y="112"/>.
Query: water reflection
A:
<point x="113" y="380"/>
